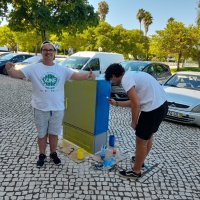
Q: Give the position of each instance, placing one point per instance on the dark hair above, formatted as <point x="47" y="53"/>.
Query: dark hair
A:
<point x="114" y="69"/>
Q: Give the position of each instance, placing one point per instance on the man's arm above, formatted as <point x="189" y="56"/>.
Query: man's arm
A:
<point x="83" y="76"/>
<point x="120" y="103"/>
<point x="13" y="72"/>
<point x="135" y="106"/>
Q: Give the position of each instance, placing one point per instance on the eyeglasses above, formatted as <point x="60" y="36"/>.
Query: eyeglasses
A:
<point x="48" y="50"/>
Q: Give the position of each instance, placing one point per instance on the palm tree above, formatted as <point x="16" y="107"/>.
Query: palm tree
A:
<point x="103" y="10"/>
<point x="148" y="20"/>
<point x="140" y="16"/>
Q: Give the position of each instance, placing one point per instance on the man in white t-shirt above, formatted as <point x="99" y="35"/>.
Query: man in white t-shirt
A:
<point x="148" y="104"/>
<point x="48" y="81"/>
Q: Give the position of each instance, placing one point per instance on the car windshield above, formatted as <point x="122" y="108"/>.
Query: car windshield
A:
<point x="184" y="81"/>
<point x="7" y="56"/>
<point x="75" y="62"/>
<point x="133" y="66"/>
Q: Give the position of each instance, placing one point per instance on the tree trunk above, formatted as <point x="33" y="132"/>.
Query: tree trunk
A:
<point x="199" y="62"/>
<point x="179" y="59"/>
<point x="183" y="62"/>
<point x="36" y="49"/>
<point x="43" y="35"/>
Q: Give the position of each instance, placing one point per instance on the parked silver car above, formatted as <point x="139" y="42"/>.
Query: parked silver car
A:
<point x="183" y="95"/>
<point x="159" y="71"/>
<point x="28" y="61"/>
<point x="36" y="59"/>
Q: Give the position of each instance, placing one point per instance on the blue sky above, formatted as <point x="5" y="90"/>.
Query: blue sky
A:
<point x="124" y="12"/>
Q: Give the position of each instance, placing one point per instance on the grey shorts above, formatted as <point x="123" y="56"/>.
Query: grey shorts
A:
<point x="48" y="122"/>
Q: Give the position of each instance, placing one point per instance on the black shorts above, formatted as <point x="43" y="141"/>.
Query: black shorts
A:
<point x="149" y="122"/>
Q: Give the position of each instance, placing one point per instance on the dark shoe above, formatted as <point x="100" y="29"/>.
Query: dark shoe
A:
<point x="129" y="174"/>
<point x="55" y="158"/>
<point x="42" y="159"/>
<point x="133" y="160"/>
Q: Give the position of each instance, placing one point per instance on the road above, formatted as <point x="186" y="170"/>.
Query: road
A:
<point x="176" y="150"/>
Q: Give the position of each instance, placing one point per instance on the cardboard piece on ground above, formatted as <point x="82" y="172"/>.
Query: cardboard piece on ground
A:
<point x="70" y="150"/>
<point x="118" y="157"/>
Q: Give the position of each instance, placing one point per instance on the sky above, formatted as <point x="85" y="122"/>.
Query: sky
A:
<point x="124" y="12"/>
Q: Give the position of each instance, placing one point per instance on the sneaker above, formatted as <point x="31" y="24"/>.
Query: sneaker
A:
<point x="42" y="159"/>
<point x="55" y="158"/>
<point x="133" y="160"/>
<point x="129" y="174"/>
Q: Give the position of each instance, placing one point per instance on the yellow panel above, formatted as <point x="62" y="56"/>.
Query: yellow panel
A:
<point x="79" y="137"/>
<point x="80" y="102"/>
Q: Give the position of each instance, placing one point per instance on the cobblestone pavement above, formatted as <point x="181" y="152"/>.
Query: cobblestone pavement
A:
<point x="176" y="150"/>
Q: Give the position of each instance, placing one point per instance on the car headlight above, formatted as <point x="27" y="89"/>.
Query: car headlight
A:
<point x="196" y="109"/>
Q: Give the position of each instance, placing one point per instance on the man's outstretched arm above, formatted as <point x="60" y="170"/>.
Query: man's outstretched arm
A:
<point x="13" y="72"/>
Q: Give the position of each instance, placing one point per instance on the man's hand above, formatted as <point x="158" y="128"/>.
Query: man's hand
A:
<point x="12" y="71"/>
<point x="112" y="102"/>
<point x="9" y="66"/>
<point x="91" y="75"/>
<point x="133" y="125"/>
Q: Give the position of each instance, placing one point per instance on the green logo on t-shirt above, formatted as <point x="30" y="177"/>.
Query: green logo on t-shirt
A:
<point x="49" y="81"/>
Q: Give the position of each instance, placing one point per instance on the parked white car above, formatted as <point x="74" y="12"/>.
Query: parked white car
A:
<point x="183" y="96"/>
<point x="94" y="60"/>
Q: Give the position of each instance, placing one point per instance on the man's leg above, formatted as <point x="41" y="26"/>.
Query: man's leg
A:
<point x="42" y="149"/>
<point x="149" y="145"/>
<point x="140" y="154"/>
<point x="143" y="148"/>
<point x="53" y="141"/>
<point x="42" y="144"/>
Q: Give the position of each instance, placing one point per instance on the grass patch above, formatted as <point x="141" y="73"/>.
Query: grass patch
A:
<point x="194" y="69"/>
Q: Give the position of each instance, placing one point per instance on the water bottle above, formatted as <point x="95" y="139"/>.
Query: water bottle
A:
<point x="103" y="152"/>
<point x="112" y="140"/>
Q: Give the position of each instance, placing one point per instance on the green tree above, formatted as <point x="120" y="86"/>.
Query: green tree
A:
<point x="28" y="41"/>
<point x="4" y="8"/>
<point x="140" y="16"/>
<point x="147" y="21"/>
<point x="173" y="41"/>
<point x="194" y="44"/>
<point x="135" y="45"/>
<point x="103" y="9"/>
<point x="51" y="16"/>
<point x="156" y="49"/>
<point x="8" y="38"/>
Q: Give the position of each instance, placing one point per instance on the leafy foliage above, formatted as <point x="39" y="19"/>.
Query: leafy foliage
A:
<point x="52" y="16"/>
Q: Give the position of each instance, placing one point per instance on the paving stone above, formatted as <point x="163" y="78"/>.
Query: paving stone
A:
<point x="176" y="150"/>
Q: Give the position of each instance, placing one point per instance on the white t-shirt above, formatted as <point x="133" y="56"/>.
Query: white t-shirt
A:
<point x="47" y="85"/>
<point x="148" y="89"/>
